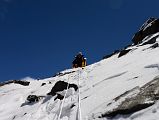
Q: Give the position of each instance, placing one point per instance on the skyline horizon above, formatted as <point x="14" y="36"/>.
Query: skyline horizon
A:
<point x="39" y="39"/>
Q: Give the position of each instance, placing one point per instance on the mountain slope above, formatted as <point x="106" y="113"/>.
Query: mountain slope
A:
<point x="102" y="87"/>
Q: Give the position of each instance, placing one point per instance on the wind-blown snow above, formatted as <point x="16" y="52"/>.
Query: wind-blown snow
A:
<point x="99" y="84"/>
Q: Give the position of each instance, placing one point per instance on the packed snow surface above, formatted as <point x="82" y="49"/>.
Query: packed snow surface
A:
<point x="98" y="84"/>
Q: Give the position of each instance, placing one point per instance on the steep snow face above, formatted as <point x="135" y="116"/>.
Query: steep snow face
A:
<point x="98" y="84"/>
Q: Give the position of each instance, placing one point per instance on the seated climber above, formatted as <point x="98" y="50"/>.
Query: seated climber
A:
<point x="79" y="61"/>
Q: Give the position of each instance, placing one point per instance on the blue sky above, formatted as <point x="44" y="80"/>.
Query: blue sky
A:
<point x="40" y="37"/>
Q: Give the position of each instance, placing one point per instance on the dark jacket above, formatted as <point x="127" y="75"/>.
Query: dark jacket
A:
<point x="78" y="61"/>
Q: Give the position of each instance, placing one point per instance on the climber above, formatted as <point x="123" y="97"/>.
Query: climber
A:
<point x="79" y="61"/>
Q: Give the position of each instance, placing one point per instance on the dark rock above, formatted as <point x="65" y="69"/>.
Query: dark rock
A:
<point x="33" y="98"/>
<point x="43" y="84"/>
<point x="123" y="52"/>
<point x="151" y="41"/>
<point x="151" y="19"/>
<point x="150" y="27"/>
<point x="154" y="45"/>
<point x="73" y="86"/>
<point x="60" y="86"/>
<point x="125" y="93"/>
<point x="59" y="97"/>
<point x="62" y="74"/>
<point x="72" y="106"/>
<point x="49" y="82"/>
<point x="146" y="97"/>
<point x="138" y="37"/>
<point x="24" y="83"/>
<point x="109" y="55"/>
<point x="24" y="114"/>
<point x="128" y="111"/>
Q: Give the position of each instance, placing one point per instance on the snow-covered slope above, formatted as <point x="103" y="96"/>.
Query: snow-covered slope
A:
<point x="98" y="84"/>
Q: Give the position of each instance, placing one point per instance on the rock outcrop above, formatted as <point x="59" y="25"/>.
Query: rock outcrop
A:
<point x="43" y="84"/>
<point x="24" y="83"/>
<point x="63" y="73"/>
<point x="60" y="86"/>
<point x="146" y="97"/>
<point x="33" y="98"/>
<point x="151" y="26"/>
<point x="154" y="45"/>
<point x="123" y="52"/>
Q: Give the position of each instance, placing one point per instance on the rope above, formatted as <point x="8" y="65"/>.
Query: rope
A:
<point x="79" y="100"/>
<point x="63" y="100"/>
<point x="79" y="117"/>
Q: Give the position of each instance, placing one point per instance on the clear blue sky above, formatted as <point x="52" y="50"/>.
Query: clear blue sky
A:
<point x="40" y="37"/>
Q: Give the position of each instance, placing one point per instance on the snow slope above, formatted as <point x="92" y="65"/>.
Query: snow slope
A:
<point x="98" y="83"/>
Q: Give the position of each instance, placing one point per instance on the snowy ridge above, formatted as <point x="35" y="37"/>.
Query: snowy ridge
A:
<point x="99" y="85"/>
<point x="148" y="23"/>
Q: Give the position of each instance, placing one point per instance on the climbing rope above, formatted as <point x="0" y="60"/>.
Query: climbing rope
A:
<point x="79" y="116"/>
<point x="79" y="98"/>
<point x="63" y="100"/>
